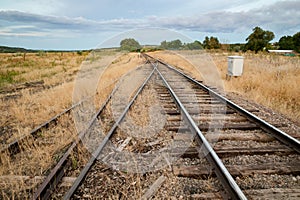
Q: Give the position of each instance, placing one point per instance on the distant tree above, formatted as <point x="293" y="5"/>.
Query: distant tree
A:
<point x="290" y="42"/>
<point x="286" y="42"/>
<point x="211" y="43"/>
<point x="236" y="47"/>
<point x="206" y="43"/>
<point x="296" y="39"/>
<point x="164" y="44"/>
<point x="214" y="43"/>
<point x="174" y="44"/>
<point x="258" y="40"/>
<point x="194" y="45"/>
<point x="130" y="44"/>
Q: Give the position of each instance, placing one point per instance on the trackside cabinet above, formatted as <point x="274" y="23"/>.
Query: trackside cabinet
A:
<point x="235" y="65"/>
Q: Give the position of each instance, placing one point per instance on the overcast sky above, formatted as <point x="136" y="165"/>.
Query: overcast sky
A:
<point x="78" y="24"/>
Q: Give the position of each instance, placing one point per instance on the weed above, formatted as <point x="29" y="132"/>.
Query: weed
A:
<point x="74" y="162"/>
<point x="7" y="77"/>
<point x="41" y="53"/>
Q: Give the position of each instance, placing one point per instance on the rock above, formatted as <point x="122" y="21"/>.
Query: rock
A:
<point x="87" y="196"/>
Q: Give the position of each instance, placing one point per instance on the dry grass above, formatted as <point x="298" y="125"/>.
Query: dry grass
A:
<point x="268" y="79"/>
<point x="36" y="158"/>
<point x="117" y="69"/>
<point x="33" y="107"/>
<point x="178" y="61"/>
<point x="53" y="68"/>
<point x="21" y="114"/>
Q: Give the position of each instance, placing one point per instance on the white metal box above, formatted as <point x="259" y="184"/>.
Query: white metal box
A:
<point x="235" y="65"/>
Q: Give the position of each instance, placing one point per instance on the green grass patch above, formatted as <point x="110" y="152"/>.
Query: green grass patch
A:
<point x="7" y="77"/>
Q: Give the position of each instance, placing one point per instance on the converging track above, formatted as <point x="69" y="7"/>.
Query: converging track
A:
<point x="177" y="138"/>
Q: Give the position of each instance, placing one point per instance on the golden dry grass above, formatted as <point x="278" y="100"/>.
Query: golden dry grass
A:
<point x="117" y="69"/>
<point x="178" y="61"/>
<point x="53" y="68"/>
<point x="33" y="107"/>
<point x="268" y="79"/>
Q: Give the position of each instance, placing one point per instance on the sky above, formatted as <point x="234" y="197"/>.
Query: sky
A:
<point x="78" y="24"/>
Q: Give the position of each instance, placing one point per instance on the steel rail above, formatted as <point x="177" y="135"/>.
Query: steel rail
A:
<point x="14" y="147"/>
<point x="57" y="173"/>
<point x="226" y="179"/>
<point x="272" y="130"/>
<point x="98" y="151"/>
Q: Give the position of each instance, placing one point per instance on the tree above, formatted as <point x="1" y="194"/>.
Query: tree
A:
<point x="290" y="42"/>
<point x="130" y="44"/>
<point x="194" y="45"/>
<point x="258" y="40"/>
<point x="164" y="44"/>
<point x="296" y="39"/>
<point x="174" y="44"/>
<point x="236" y="47"/>
<point x="211" y="43"/>
<point x="286" y="42"/>
<point x="206" y="43"/>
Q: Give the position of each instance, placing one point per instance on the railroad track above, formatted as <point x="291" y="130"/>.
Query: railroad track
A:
<point x="19" y="152"/>
<point x="198" y="145"/>
<point x="16" y="146"/>
<point x="65" y="162"/>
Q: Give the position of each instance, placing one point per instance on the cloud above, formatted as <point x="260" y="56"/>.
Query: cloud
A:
<point x="281" y="16"/>
<point x="44" y="21"/>
<point x="78" y="24"/>
<point x="54" y="31"/>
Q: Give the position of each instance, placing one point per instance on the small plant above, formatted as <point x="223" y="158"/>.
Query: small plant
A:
<point x="53" y="64"/>
<point x="74" y="162"/>
<point x="18" y="54"/>
<point x="8" y="76"/>
<point x="41" y="53"/>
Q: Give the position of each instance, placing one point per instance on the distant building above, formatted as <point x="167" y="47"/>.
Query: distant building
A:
<point x="283" y="52"/>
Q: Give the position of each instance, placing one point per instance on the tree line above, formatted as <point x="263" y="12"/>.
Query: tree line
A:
<point x="130" y="44"/>
<point x="258" y="40"/>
